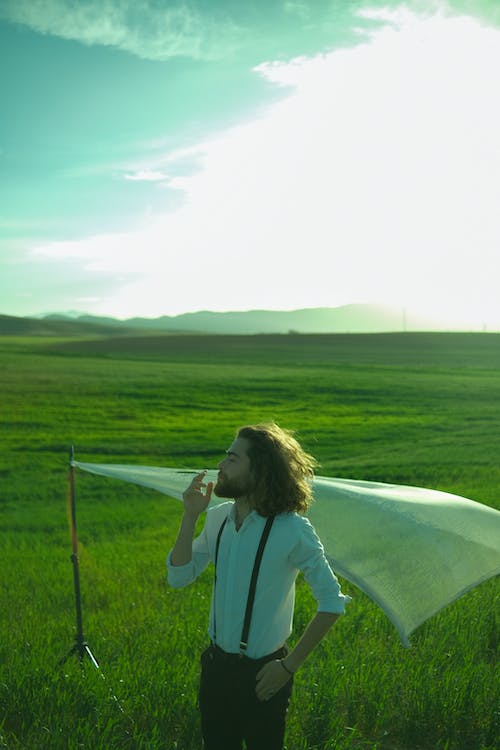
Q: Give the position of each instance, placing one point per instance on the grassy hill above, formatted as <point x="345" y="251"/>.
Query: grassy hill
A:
<point x="441" y="350"/>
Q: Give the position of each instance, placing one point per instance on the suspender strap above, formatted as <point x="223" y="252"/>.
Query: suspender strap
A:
<point x="253" y="585"/>
<point x="217" y="545"/>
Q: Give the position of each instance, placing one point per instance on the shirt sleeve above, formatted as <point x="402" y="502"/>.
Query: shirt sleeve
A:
<point x="203" y="550"/>
<point x="308" y="555"/>
<point x="182" y="575"/>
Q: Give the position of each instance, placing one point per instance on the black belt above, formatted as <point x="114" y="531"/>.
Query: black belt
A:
<point x="219" y="654"/>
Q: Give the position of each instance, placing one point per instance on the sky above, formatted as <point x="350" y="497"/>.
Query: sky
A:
<point x="161" y="157"/>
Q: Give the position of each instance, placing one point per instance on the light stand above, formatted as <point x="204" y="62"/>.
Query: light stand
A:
<point x="81" y="647"/>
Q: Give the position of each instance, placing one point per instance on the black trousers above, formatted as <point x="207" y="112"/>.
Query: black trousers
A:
<point x="230" y="710"/>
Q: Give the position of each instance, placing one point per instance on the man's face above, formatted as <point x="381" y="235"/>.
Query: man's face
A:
<point x="235" y="478"/>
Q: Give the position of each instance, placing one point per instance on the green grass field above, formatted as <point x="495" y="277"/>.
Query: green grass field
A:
<point x="418" y="409"/>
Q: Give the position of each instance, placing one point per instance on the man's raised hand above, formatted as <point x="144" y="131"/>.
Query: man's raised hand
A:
<point x="197" y="495"/>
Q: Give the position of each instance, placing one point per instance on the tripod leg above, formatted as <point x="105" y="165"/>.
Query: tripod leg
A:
<point x="91" y="655"/>
<point x="73" y="650"/>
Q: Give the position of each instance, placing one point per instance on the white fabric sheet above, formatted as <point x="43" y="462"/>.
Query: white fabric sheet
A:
<point x="411" y="550"/>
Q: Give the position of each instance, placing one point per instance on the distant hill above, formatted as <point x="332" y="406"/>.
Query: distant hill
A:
<point x="58" y="326"/>
<point x="345" y="319"/>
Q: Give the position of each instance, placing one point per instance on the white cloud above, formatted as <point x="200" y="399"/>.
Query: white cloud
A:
<point x="376" y="179"/>
<point x="146" y="175"/>
<point x="154" y="31"/>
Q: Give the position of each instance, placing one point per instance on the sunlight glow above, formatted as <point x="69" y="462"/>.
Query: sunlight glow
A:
<point x="375" y="179"/>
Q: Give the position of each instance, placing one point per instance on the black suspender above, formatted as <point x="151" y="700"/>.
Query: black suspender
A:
<point x="253" y="580"/>
<point x="253" y="585"/>
<point x="217" y="544"/>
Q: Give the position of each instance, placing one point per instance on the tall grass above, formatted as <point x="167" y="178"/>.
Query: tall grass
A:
<point x="416" y="409"/>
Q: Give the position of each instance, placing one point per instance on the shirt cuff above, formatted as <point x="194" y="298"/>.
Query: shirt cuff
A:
<point x="179" y="575"/>
<point x="334" y="606"/>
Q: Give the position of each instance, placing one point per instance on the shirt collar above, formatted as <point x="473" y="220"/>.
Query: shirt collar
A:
<point x="248" y="520"/>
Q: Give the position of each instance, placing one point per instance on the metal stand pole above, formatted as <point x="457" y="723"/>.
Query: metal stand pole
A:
<point x="81" y="647"/>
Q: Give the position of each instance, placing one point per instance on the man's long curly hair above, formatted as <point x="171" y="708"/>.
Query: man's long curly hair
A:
<point x="282" y="470"/>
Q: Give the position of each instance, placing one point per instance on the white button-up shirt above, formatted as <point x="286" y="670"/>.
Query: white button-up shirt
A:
<point x="292" y="546"/>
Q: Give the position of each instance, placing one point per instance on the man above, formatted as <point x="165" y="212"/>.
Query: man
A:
<point x="258" y="543"/>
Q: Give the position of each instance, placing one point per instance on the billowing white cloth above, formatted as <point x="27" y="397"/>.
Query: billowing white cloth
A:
<point x="411" y="550"/>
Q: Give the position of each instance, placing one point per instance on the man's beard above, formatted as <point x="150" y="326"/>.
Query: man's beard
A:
<point x="232" y="489"/>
